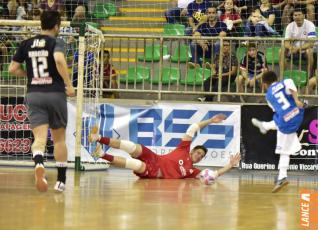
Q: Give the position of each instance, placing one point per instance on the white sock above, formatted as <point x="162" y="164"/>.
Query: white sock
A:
<point x="269" y="125"/>
<point x="283" y="166"/>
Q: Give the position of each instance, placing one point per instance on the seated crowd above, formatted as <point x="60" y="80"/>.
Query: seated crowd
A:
<point x="263" y="18"/>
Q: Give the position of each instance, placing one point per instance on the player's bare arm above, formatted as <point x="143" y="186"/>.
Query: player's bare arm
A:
<point x="15" y="68"/>
<point x="197" y="126"/>
<point x="61" y="66"/>
<point x="234" y="160"/>
<point x="298" y="102"/>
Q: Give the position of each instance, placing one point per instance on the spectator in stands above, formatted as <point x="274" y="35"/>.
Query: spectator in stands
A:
<point x="244" y="7"/>
<point x="5" y="11"/>
<point x="88" y="68"/>
<point x="307" y="6"/>
<point x="300" y="28"/>
<point x="252" y="67"/>
<point x="202" y="49"/>
<point x="196" y="15"/>
<point x="53" y="5"/>
<point x="229" y="69"/>
<point x="232" y="19"/>
<point x="179" y="13"/>
<point x="71" y="7"/>
<point x="35" y="14"/>
<point x="80" y="14"/>
<point x="257" y="26"/>
<point x="268" y="12"/>
<point x="21" y="10"/>
<point x="110" y="77"/>
<point x="278" y="6"/>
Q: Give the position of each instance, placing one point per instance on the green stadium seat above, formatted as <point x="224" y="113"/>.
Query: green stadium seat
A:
<point x="196" y="76"/>
<point x="299" y="77"/>
<point x="240" y="52"/>
<point x="152" y="53"/>
<point x="111" y="8"/>
<point x="183" y="55"/>
<point x="136" y="74"/>
<point x="173" y="30"/>
<point x="272" y="55"/>
<point x="171" y="75"/>
<point x="100" y="12"/>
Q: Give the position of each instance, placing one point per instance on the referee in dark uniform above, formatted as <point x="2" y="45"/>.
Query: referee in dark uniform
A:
<point x="47" y="88"/>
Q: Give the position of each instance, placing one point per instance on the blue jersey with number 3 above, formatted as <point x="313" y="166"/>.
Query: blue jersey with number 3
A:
<point x="288" y="117"/>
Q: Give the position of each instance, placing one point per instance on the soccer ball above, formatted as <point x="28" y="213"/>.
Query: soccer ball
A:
<point x="207" y="176"/>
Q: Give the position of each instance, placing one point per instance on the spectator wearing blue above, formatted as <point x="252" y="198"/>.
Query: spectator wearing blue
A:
<point x="203" y="49"/>
<point x="196" y="15"/>
<point x="252" y="67"/>
<point x="179" y="13"/>
<point x="258" y="26"/>
<point x="88" y="68"/>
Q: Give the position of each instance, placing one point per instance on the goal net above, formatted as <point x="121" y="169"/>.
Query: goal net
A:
<point x="84" y="67"/>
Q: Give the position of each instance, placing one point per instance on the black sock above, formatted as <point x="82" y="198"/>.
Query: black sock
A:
<point x="61" y="174"/>
<point x="38" y="159"/>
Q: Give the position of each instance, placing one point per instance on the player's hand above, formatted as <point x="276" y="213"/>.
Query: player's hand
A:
<point x="301" y="103"/>
<point x="70" y="91"/>
<point x="235" y="159"/>
<point x="218" y="118"/>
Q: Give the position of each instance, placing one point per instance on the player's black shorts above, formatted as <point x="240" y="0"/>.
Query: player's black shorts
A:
<point x="47" y="108"/>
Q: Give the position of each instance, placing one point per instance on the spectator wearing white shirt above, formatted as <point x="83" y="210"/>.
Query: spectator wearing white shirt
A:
<point x="178" y="14"/>
<point x="300" y="28"/>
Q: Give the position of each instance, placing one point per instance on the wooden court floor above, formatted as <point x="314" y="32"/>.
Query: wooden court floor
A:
<point x="116" y="199"/>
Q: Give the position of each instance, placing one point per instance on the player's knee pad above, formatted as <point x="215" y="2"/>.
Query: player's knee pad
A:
<point x="133" y="164"/>
<point x="38" y="145"/>
<point x="191" y="131"/>
<point x="128" y="146"/>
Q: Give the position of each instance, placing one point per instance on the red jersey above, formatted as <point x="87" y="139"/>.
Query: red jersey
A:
<point x="231" y="16"/>
<point x="178" y="163"/>
<point x="107" y="71"/>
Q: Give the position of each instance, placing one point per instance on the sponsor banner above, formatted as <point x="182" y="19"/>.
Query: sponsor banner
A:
<point x="308" y="209"/>
<point x="161" y="127"/>
<point x="15" y="133"/>
<point x="258" y="150"/>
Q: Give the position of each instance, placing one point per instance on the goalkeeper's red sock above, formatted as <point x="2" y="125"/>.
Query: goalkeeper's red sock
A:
<point x="104" y="140"/>
<point x="108" y="157"/>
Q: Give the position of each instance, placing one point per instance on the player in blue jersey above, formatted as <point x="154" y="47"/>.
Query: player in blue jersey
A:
<point x="288" y="110"/>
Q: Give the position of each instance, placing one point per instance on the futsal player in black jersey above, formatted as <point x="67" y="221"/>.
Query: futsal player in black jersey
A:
<point x="47" y="87"/>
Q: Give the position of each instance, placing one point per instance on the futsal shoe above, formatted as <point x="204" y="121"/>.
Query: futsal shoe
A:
<point x="40" y="181"/>
<point x="98" y="152"/>
<point x="279" y="184"/>
<point x="257" y="123"/>
<point x="93" y="135"/>
<point x="59" y="186"/>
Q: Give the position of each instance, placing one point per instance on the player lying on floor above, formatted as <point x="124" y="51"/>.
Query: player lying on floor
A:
<point x="178" y="164"/>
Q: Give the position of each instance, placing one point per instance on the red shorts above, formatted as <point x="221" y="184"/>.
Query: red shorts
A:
<point x="151" y="161"/>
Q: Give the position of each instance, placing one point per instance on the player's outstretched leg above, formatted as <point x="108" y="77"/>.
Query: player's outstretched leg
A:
<point x="259" y="124"/>
<point x="132" y="148"/>
<point x="135" y="164"/>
